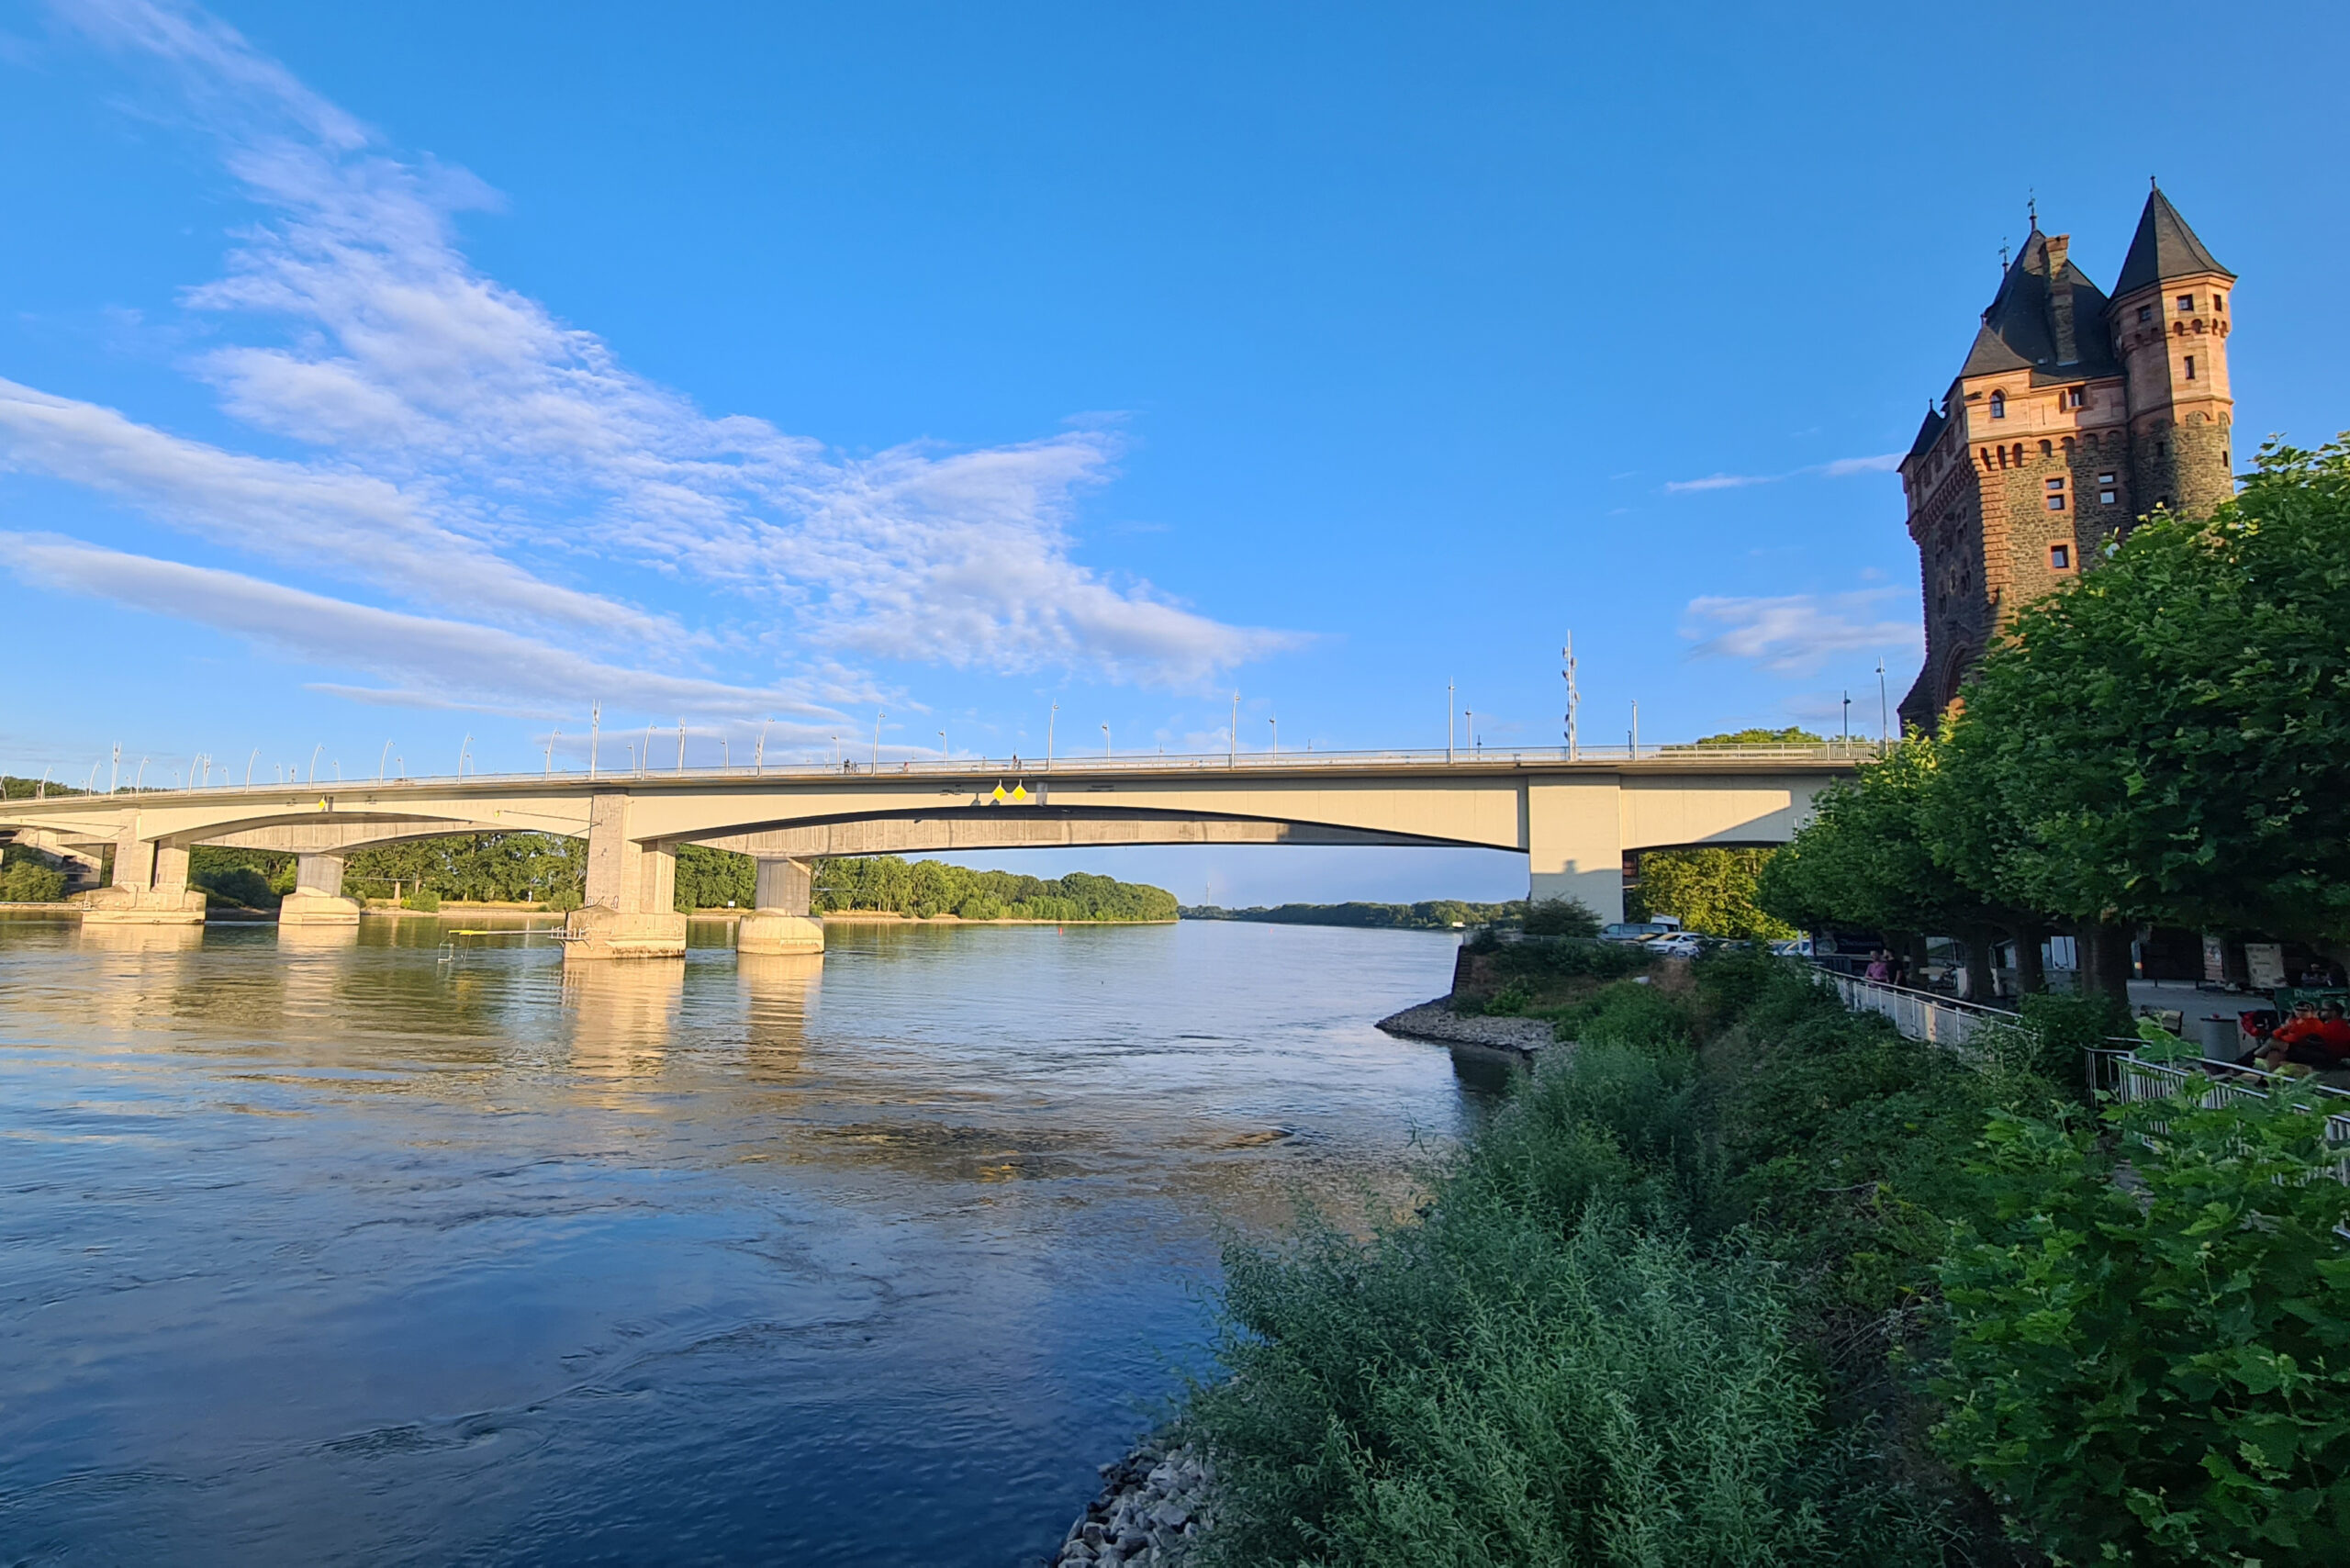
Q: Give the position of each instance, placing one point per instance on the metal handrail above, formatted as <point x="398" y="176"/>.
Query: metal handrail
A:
<point x="989" y="770"/>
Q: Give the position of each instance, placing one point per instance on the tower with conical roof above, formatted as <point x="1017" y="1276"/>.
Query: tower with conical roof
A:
<point x="2074" y="415"/>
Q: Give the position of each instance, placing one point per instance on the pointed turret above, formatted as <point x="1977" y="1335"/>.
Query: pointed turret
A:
<point x="2164" y="249"/>
<point x="2170" y="321"/>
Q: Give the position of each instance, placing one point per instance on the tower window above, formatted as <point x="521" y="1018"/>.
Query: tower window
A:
<point x="2046" y="450"/>
<point x="2073" y="398"/>
<point x="2105" y="479"/>
<point x="2060" y="557"/>
<point x="2145" y="312"/>
<point x="2056" y="501"/>
<point x="2187" y="305"/>
<point x="2190" y="367"/>
<point x="2219" y="305"/>
<point x="1999" y="405"/>
<point x="2055" y="484"/>
<point x="2106" y="498"/>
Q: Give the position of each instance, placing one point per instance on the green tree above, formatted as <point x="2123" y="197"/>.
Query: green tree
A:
<point x="1867" y="859"/>
<point x="1791" y="735"/>
<point x="1708" y="891"/>
<point x="2169" y="739"/>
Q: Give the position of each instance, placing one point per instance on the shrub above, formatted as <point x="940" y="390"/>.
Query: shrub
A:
<point x="244" y="887"/>
<point x="424" y="899"/>
<point x="30" y="882"/>
<point x="2158" y="1372"/>
<point x="1561" y="917"/>
<point x="564" y="900"/>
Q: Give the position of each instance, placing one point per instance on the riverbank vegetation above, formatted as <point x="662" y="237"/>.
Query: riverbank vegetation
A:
<point x="1433" y="914"/>
<point x="886" y="884"/>
<point x="539" y="869"/>
<point x="1748" y="1278"/>
<point x="2166" y="742"/>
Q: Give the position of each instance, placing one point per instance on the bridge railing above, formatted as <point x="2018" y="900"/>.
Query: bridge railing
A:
<point x="986" y="770"/>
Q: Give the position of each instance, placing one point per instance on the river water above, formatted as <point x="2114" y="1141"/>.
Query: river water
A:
<point x="346" y="1250"/>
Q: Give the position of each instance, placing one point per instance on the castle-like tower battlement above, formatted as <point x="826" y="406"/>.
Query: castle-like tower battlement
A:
<point x="2075" y="415"/>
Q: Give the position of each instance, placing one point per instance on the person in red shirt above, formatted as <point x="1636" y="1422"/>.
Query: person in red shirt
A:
<point x="2305" y="1039"/>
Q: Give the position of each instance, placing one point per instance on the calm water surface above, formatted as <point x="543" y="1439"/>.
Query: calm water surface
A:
<point x="333" y="1250"/>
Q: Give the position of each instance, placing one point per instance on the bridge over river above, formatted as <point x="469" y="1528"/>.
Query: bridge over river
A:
<point x="1573" y="817"/>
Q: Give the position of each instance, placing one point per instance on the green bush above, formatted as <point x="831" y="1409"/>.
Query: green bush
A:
<point x="1561" y="917"/>
<point x="2157" y="1370"/>
<point x="29" y="881"/>
<point x="1548" y="1369"/>
<point x="564" y="900"/>
<point x="237" y="886"/>
<point x="424" y="899"/>
<point x="1541" y="958"/>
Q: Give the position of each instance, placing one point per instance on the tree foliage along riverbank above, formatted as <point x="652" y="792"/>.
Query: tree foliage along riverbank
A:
<point x="1434" y="914"/>
<point x="530" y="867"/>
<point x="1747" y="1278"/>
<point x="2165" y="742"/>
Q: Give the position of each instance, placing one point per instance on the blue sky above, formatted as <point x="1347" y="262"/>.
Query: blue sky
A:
<point x="400" y="374"/>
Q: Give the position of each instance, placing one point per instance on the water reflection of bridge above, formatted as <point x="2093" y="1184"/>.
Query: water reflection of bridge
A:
<point x="1573" y="818"/>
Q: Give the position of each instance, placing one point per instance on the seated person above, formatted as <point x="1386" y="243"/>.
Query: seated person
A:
<point x="2300" y="1039"/>
<point x="1879" y="970"/>
<point x="2334" y="1031"/>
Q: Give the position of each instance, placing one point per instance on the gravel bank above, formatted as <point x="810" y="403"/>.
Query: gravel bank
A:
<point x="1154" y="1503"/>
<point x="1435" y="1021"/>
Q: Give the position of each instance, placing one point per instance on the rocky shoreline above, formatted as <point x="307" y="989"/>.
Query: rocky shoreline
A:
<point x="1437" y="1020"/>
<point x="1154" y="1503"/>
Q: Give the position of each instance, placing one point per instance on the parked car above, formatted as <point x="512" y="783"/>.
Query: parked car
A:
<point x="1678" y="944"/>
<point x="1795" y="947"/>
<point x="1639" y="930"/>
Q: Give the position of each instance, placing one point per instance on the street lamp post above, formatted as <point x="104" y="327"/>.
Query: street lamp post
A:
<point x="1882" y="737"/>
<point x="877" y="717"/>
<point x="1105" y="743"/>
<point x="1277" y="735"/>
<point x="1234" y="761"/>
<point x="942" y="745"/>
<point x="759" y="757"/>
<point x="551" y="740"/>
<point x="595" y="733"/>
<point x="1470" y="717"/>
<point x="644" y="759"/>
<point x="1050" y="720"/>
<point x="463" y="752"/>
<point x="1447" y="720"/>
<point x="1847" y="717"/>
<point x="379" y="761"/>
<point x="681" y="747"/>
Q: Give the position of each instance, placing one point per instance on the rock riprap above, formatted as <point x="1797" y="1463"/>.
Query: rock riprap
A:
<point x="1154" y="1503"/>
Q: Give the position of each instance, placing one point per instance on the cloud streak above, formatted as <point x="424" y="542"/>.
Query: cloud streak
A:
<point x="1838" y="468"/>
<point x="1796" y="633"/>
<point x="460" y="662"/>
<point x="464" y="452"/>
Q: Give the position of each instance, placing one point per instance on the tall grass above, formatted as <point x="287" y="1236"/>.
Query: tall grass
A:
<point x="1650" y="1316"/>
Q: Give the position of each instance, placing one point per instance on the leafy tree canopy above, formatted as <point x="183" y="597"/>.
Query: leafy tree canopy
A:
<point x="2169" y="740"/>
<point x="1708" y="891"/>
<point x="1792" y="735"/>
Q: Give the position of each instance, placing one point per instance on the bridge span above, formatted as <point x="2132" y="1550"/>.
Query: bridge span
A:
<point x="1574" y="818"/>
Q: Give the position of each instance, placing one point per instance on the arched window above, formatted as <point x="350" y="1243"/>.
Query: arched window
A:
<point x="2045" y="450"/>
<point x="1999" y="405"/>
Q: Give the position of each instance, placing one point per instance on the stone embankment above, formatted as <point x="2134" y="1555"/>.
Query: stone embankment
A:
<point x="1154" y="1503"/>
<point x="1437" y="1020"/>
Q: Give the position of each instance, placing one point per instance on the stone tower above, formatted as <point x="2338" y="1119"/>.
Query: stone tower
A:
<point x="2074" y="415"/>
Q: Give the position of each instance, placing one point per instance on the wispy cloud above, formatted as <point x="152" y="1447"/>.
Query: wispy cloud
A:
<point x="470" y="453"/>
<point x="1838" y="468"/>
<point x="1795" y="633"/>
<point x="455" y="662"/>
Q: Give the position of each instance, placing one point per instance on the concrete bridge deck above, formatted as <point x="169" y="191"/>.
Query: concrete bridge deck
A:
<point x="1573" y="817"/>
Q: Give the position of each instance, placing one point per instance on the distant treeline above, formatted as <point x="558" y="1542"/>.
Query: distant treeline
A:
<point x="1435" y="914"/>
<point x="884" y="883"/>
<point x="531" y="867"/>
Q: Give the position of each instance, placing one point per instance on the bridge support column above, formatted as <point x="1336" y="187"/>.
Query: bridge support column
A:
<point x="316" y="898"/>
<point x="631" y="892"/>
<point x="150" y="886"/>
<point x="1574" y="842"/>
<point x="782" y="922"/>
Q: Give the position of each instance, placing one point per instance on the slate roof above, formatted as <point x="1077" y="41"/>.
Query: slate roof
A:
<point x="2020" y="329"/>
<point x="2164" y="248"/>
<point x="1928" y="433"/>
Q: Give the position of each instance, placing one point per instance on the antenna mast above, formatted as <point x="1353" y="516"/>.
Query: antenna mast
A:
<point x="1574" y="697"/>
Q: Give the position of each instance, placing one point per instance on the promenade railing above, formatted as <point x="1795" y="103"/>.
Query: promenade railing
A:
<point x="1919" y="1014"/>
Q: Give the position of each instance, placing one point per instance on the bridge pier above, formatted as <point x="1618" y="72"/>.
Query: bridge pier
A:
<point x="631" y="908"/>
<point x="150" y="886"/>
<point x="783" y="922"/>
<point x="316" y="898"/>
<point x="1574" y="838"/>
